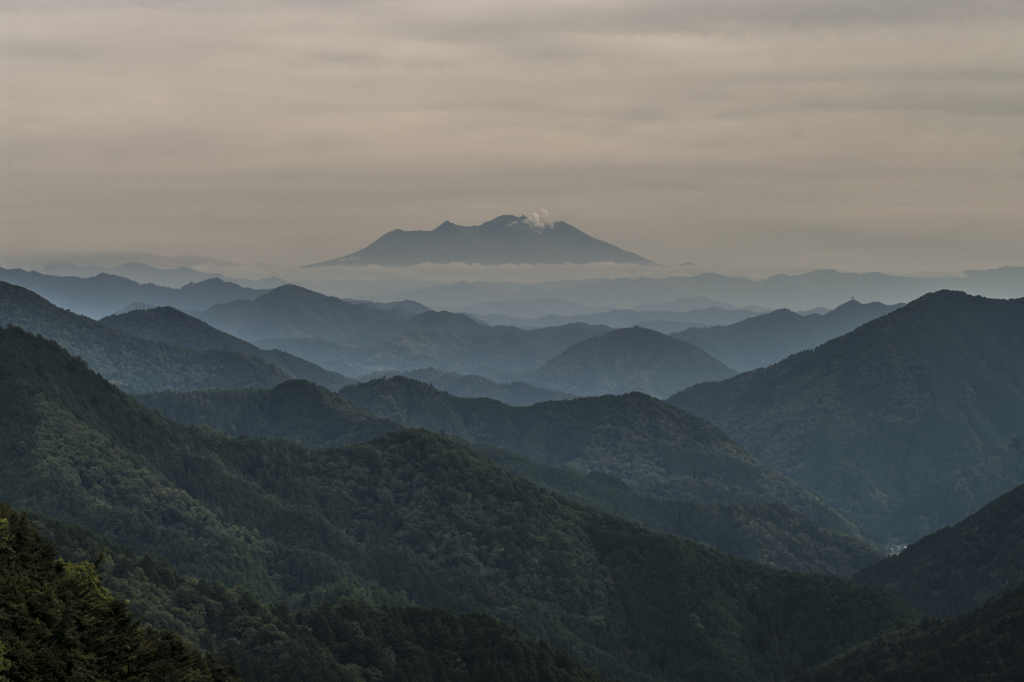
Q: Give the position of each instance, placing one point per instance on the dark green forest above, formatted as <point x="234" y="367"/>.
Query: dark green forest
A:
<point x="906" y="424"/>
<point x="349" y="639"/>
<point x="986" y="645"/>
<point x="57" y="622"/>
<point x="763" y="531"/>
<point x="412" y="514"/>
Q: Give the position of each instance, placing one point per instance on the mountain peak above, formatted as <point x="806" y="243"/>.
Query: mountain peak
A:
<point x="507" y="239"/>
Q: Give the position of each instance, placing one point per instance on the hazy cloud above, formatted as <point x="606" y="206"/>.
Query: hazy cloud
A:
<point x="858" y="135"/>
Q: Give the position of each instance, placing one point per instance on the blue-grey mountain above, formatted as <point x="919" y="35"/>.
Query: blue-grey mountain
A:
<point x="625" y="360"/>
<point x="905" y="424"/>
<point x="505" y="239"/>
<point x="104" y="294"/>
<point x="173" y="326"/>
<point x="134" y="364"/>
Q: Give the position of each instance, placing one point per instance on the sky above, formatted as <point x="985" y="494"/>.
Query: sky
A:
<point x="743" y="136"/>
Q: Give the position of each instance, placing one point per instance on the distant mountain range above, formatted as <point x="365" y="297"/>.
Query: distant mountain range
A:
<point x="505" y="239"/>
<point x="357" y="338"/>
<point x="174" y="278"/>
<point x="821" y="288"/>
<point x="664" y="321"/>
<point x="103" y="294"/>
<point x="905" y="424"/>
<point x="765" y="339"/>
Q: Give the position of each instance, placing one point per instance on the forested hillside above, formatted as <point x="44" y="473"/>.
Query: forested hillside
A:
<point x="410" y="512"/>
<point x="133" y="364"/>
<point x="905" y="424"/>
<point x="986" y="645"/>
<point x="344" y="638"/>
<point x="295" y="409"/>
<point x="958" y="568"/>
<point x="58" y="623"/>
<point x="765" y="532"/>
<point x="173" y="326"/>
<point x="657" y="449"/>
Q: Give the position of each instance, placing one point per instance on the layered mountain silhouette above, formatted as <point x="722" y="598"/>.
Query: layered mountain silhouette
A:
<point x="665" y="321"/>
<point x="358" y="338"/>
<point x="105" y="294"/>
<point x="625" y="360"/>
<point x="410" y="516"/>
<point x="820" y="288"/>
<point x="657" y="449"/>
<point x="291" y="311"/>
<point x="505" y="239"/>
<point x="905" y="424"/>
<point x="134" y="364"/>
<point x="759" y="530"/>
<point x="763" y="340"/>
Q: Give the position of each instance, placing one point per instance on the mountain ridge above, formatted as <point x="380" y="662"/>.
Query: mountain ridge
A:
<point x="173" y="326"/>
<point x="134" y="364"/>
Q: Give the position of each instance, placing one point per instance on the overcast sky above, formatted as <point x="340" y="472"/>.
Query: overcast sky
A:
<point x="869" y="135"/>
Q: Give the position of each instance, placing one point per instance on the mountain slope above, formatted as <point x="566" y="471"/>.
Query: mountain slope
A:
<point x="761" y="531"/>
<point x="657" y="449"/>
<point x="958" y="568"/>
<point x="505" y="239"/>
<point x="173" y="326"/>
<point x="409" y="512"/>
<point x="134" y="364"/>
<point x="764" y="340"/>
<point x="291" y="311"/>
<point x="904" y="424"/>
<point x="625" y="360"/>
<point x="982" y="645"/>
